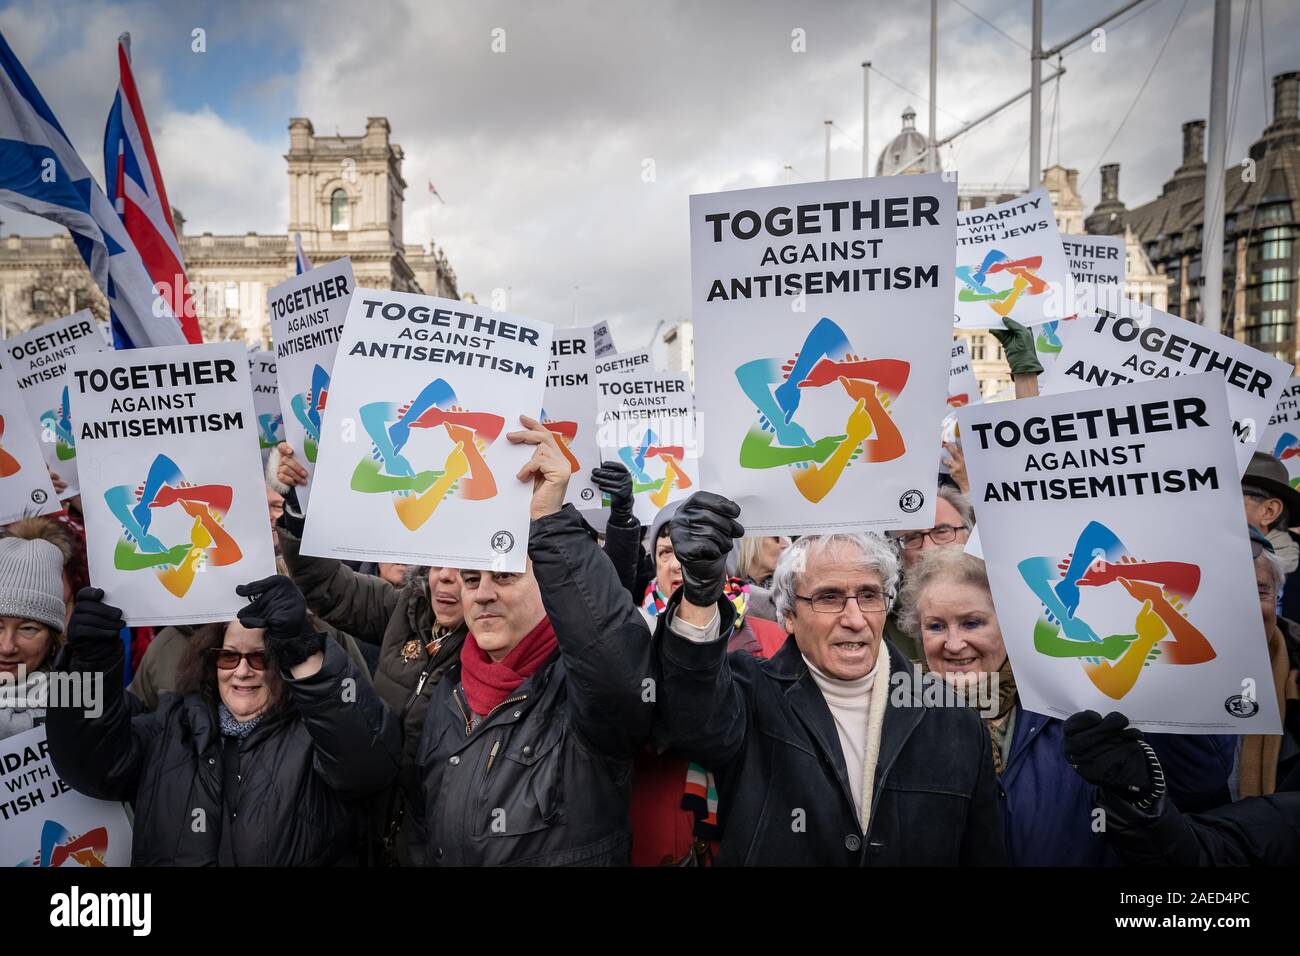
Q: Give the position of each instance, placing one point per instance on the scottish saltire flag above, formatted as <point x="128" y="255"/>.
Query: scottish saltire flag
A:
<point x="41" y="174"/>
<point x="304" y="264"/>
<point x="135" y="187"/>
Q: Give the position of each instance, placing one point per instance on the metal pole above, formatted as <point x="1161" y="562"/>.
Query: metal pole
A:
<point x="1048" y="54"/>
<point x="866" y="118"/>
<point x="1036" y="100"/>
<point x="1212" y="231"/>
<point x="930" y="154"/>
<point x="828" y="149"/>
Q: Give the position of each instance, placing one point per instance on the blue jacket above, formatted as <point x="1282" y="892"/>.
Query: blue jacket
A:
<point x="1048" y="807"/>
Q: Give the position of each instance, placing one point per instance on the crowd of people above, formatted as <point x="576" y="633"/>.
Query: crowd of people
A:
<point x="678" y="695"/>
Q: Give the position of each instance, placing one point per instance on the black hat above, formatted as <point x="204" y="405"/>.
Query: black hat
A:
<point x="1269" y="475"/>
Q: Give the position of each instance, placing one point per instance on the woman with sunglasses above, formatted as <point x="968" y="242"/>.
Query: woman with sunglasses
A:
<point x="262" y="756"/>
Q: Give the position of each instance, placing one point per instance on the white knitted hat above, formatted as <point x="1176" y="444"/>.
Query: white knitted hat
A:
<point x="31" y="580"/>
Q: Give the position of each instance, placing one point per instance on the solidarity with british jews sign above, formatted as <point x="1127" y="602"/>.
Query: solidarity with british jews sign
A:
<point x="38" y="359"/>
<point x="821" y="319"/>
<point x="1010" y="264"/>
<point x="1111" y="525"/>
<point x="171" y="480"/>
<point x="1282" y="436"/>
<point x="1140" y="343"/>
<point x="307" y="315"/>
<point x="414" y="464"/>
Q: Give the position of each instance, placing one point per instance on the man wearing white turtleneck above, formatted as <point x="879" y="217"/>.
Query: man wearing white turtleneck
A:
<point x="800" y="742"/>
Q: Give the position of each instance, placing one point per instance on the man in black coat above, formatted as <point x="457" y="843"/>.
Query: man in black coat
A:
<point x="526" y="755"/>
<point x="1146" y="829"/>
<point x="826" y="755"/>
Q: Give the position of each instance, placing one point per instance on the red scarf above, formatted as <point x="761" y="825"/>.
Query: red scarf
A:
<point x="488" y="683"/>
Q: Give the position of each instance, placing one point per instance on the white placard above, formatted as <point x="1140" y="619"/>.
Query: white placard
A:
<point x="569" y="410"/>
<point x="647" y="421"/>
<point x="25" y="486"/>
<point x="1010" y="264"/>
<point x="266" y="401"/>
<point x="1142" y="343"/>
<point x="171" y="480"/>
<point x="39" y="360"/>
<point x="414" y="465"/>
<point x="1111" y="525"/>
<point x="823" y="311"/>
<point x="963" y="387"/>
<point x="307" y="315"/>
<point x="45" y="822"/>
<point x="603" y="339"/>
<point x="1282" y="436"/>
<point x="625" y="363"/>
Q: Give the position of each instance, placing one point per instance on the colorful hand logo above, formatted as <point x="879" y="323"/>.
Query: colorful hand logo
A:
<point x="670" y="456"/>
<point x="307" y="407"/>
<point x="58" y="846"/>
<point x="1288" y="446"/>
<point x="565" y="432"/>
<point x="269" y="432"/>
<point x="416" y="495"/>
<point x="775" y="389"/>
<point x="1001" y="301"/>
<point x="1047" y="341"/>
<point x="177" y="564"/>
<point x="9" y="465"/>
<point x="1163" y="588"/>
<point x="57" y="422"/>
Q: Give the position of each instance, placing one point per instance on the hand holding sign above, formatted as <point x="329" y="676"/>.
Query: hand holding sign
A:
<point x="548" y="468"/>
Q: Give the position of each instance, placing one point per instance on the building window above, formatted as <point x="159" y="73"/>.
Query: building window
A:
<point x="977" y="348"/>
<point x="340" y="211"/>
<point x="39" y="300"/>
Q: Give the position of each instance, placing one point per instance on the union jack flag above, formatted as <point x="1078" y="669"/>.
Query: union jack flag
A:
<point x="135" y="187"/>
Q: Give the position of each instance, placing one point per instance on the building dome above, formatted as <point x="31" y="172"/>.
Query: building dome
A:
<point x="905" y="152"/>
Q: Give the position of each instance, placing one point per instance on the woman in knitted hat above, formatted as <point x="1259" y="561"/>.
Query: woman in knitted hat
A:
<point x="32" y="615"/>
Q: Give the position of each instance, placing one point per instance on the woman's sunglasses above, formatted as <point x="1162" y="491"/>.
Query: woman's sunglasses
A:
<point x="228" y="660"/>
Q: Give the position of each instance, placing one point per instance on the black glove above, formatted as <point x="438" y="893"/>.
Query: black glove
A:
<point x="95" y="631"/>
<point x="291" y="519"/>
<point x="1018" y="342"/>
<point x="613" y="479"/>
<point x="1110" y="754"/>
<point x="279" y="608"/>
<point x="702" y="533"/>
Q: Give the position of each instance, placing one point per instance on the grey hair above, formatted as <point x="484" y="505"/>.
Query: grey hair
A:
<point x="951" y="564"/>
<point x="1275" y="565"/>
<point x="878" y="555"/>
<point x="747" y="553"/>
<point x="960" y="503"/>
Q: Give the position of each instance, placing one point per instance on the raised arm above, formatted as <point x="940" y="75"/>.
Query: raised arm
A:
<point x="703" y="710"/>
<point x="98" y="748"/>
<point x="622" y="530"/>
<point x="603" y="640"/>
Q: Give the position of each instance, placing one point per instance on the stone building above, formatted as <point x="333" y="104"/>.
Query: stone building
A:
<point x="1261" y="225"/>
<point x="346" y="197"/>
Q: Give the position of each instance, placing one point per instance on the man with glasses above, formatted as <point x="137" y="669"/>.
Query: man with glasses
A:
<point x="827" y="754"/>
<point x="953" y="520"/>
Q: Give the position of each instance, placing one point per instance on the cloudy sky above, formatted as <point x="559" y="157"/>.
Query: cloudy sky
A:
<point x="541" y="150"/>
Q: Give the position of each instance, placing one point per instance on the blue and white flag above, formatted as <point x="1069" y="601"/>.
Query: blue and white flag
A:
<point x="41" y="174"/>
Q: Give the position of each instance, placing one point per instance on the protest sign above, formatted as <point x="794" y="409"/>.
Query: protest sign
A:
<point x="963" y="387"/>
<point x="1096" y="265"/>
<point x="171" y="480"/>
<point x="604" y="341"/>
<point x="569" y="409"/>
<point x="43" y="821"/>
<point x="266" y="401"/>
<point x="25" y="486"/>
<point x="625" y="363"/>
<point x="415" y="467"/>
<point x="1117" y="551"/>
<point x="307" y="315"/>
<point x="1010" y="264"/>
<point x="821" y="317"/>
<point x="38" y="359"/>
<point x="647" y="421"/>
<point x="1141" y="343"/>
<point x="1282" y="436"/>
